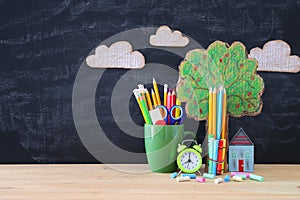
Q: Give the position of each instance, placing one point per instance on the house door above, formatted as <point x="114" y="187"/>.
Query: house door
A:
<point x="241" y="165"/>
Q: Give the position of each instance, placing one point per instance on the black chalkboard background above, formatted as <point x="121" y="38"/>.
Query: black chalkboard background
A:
<point x="43" y="43"/>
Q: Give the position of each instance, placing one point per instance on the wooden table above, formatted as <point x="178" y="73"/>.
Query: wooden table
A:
<point x="42" y="182"/>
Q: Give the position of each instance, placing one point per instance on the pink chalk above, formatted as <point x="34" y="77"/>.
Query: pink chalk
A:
<point x="240" y="173"/>
<point x="200" y="179"/>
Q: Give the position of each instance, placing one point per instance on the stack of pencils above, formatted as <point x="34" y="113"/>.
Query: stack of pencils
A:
<point x="217" y="130"/>
<point x="148" y="103"/>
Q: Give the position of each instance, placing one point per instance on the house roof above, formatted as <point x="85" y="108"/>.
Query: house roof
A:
<point x="241" y="138"/>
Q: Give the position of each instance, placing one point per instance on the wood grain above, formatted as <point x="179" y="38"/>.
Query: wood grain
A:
<point x="36" y="182"/>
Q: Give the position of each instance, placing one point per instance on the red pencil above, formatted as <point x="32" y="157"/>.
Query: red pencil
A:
<point x="173" y="101"/>
<point x="169" y="105"/>
<point x="220" y="156"/>
<point x="173" y="98"/>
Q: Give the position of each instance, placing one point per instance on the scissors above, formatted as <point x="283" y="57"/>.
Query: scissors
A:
<point x="168" y="116"/>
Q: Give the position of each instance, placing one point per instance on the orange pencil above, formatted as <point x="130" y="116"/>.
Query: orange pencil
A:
<point x="148" y="99"/>
<point x="156" y="92"/>
<point x="224" y="115"/>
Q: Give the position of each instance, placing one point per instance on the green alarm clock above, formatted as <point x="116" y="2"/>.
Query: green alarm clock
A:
<point x="189" y="160"/>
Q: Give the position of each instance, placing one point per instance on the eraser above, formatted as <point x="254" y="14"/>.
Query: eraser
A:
<point x="242" y="173"/>
<point x="173" y="175"/>
<point x="227" y="178"/>
<point x="256" y="178"/>
<point x="206" y="175"/>
<point x="183" y="178"/>
<point x="237" y="178"/>
<point x="200" y="179"/>
<point x="218" y="180"/>
<point x="192" y="176"/>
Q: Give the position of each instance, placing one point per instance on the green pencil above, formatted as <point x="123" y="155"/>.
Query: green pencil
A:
<point x="144" y="107"/>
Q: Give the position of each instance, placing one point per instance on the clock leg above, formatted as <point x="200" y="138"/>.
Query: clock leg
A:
<point x="199" y="172"/>
<point x="179" y="172"/>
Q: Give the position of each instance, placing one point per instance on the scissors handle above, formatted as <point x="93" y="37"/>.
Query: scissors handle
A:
<point x="168" y="115"/>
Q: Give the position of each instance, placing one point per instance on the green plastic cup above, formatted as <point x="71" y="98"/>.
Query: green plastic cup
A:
<point x="161" y="144"/>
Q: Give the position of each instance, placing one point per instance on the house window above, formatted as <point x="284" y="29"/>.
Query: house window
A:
<point x="247" y="155"/>
<point x="233" y="155"/>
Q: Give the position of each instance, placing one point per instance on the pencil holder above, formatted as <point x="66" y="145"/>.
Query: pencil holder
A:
<point x="161" y="142"/>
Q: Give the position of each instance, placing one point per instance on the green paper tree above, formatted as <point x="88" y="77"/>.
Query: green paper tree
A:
<point x="224" y="65"/>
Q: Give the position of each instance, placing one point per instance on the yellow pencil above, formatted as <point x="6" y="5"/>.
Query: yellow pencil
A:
<point x="154" y="98"/>
<point x="148" y="99"/>
<point x="165" y="94"/>
<point x="177" y="111"/>
<point x="224" y="124"/>
<point x="156" y="92"/>
<point x="214" y="112"/>
<point x="210" y="107"/>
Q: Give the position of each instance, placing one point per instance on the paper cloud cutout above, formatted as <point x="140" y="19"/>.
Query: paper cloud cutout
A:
<point x="118" y="55"/>
<point x="276" y="56"/>
<point x="165" y="37"/>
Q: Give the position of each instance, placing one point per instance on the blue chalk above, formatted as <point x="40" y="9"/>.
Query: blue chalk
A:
<point x="227" y="178"/>
<point x="173" y="175"/>
<point x="192" y="176"/>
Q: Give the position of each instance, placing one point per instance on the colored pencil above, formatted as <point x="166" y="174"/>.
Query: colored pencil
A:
<point x="169" y="106"/>
<point x="224" y="127"/>
<point x="224" y="116"/>
<point x="219" y="112"/>
<point x="142" y="92"/>
<point x="214" y="112"/>
<point x="165" y="94"/>
<point x="210" y="140"/>
<point x="215" y="157"/>
<point x="136" y="94"/>
<point x="156" y="92"/>
<point x="177" y="112"/>
<point x="144" y="107"/>
<point x="210" y="108"/>
<point x="173" y="99"/>
<point x="223" y="155"/>
<point x="154" y="98"/>
<point x="220" y="156"/>
<point x="148" y="99"/>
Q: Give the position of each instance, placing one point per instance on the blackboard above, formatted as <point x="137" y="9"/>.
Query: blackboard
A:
<point x="44" y="43"/>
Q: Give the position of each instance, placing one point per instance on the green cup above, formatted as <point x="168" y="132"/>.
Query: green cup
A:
<point x="161" y="144"/>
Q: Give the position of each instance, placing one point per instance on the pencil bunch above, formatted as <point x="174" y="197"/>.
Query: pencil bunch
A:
<point x="217" y="130"/>
<point x="149" y="102"/>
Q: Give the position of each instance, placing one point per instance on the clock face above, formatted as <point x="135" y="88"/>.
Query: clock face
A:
<point x="189" y="160"/>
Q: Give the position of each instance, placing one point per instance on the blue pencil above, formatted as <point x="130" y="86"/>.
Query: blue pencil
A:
<point x="215" y="157"/>
<point x="219" y="112"/>
<point x="210" y="152"/>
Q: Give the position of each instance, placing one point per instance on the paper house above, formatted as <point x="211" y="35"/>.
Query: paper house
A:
<point x="241" y="153"/>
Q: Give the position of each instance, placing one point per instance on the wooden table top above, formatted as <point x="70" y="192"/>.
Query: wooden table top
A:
<point x="39" y="182"/>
